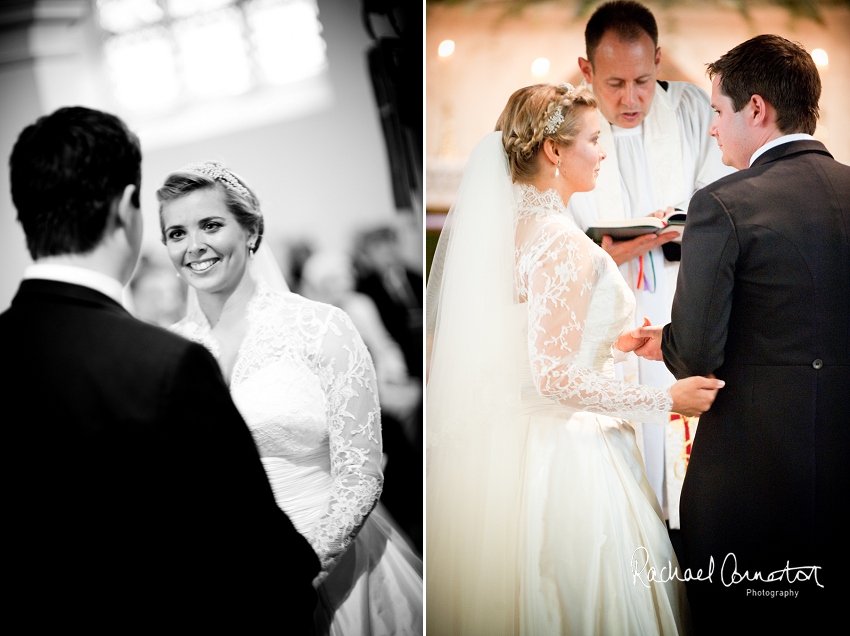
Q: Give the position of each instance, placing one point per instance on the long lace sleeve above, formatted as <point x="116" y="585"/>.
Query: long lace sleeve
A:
<point x="557" y="274"/>
<point x="354" y="425"/>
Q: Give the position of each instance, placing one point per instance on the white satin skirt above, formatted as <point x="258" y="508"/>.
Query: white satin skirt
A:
<point x="591" y="530"/>
<point x="376" y="586"/>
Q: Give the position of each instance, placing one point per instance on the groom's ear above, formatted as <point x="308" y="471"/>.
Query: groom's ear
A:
<point x="127" y="207"/>
<point x="761" y="113"/>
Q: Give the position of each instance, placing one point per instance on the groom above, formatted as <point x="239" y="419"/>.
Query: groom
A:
<point x="133" y="492"/>
<point x="763" y="302"/>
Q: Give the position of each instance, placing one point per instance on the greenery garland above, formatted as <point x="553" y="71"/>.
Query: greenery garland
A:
<point x="808" y="9"/>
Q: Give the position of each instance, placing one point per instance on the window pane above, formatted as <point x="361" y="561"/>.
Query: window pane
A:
<point x="119" y="16"/>
<point x="164" y="54"/>
<point x="182" y="8"/>
<point x="287" y="39"/>
<point x="142" y="68"/>
<point x="213" y="54"/>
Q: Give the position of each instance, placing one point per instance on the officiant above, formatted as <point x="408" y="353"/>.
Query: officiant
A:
<point x="659" y="153"/>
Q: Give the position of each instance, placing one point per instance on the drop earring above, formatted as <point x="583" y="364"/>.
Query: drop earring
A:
<point x="557" y="171"/>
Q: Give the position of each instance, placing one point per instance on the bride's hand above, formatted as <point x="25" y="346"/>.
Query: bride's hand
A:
<point x="693" y="396"/>
<point x="651" y="348"/>
<point x="628" y="341"/>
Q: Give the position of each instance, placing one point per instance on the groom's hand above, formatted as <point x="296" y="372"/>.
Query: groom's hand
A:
<point x="651" y="349"/>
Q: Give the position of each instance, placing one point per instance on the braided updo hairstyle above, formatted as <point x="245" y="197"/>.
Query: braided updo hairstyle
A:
<point x="525" y="117"/>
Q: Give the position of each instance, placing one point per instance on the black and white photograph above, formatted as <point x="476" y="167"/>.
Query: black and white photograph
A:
<point x="212" y="300"/>
<point x="440" y="317"/>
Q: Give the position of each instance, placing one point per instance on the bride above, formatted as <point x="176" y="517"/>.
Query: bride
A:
<point x="540" y="519"/>
<point x="304" y="382"/>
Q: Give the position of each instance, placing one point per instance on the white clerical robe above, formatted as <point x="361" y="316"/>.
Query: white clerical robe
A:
<point x="661" y="163"/>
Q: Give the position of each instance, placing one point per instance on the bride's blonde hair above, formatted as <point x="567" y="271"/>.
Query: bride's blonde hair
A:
<point x="538" y="112"/>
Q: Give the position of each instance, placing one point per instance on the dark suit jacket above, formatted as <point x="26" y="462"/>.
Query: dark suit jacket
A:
<point x="763" y="302"/>
<point x="133" y="490"/>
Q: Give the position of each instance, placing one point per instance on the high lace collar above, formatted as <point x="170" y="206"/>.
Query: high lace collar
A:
<point x="198" y="328"/>
<point x="530" y="200"/>
<point x="196" y="316"/>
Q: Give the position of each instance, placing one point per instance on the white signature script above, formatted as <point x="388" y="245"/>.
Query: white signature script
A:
<point x="729" y="574"/>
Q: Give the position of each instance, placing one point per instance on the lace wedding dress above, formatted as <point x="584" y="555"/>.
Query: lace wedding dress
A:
<point x="591" y="526"/>
<point x="540" y="517"/>
<point x="304" y="383"/>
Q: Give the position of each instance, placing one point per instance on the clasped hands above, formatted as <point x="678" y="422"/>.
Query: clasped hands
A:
<point x="691" y="396"/>
<point x="645" y="341"/>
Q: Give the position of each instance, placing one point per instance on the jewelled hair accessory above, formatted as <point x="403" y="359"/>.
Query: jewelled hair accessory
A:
<point x="218" y="173"/>
<point x="557" y="117"/>
<point x="554" y="122"/>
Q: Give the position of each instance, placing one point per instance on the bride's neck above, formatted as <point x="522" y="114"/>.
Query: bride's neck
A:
<point x="546" y="180"/>
<point x="227" y="307"/>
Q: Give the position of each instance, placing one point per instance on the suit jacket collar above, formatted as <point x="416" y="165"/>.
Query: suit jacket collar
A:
<point x="792" y="148"/>
<point x="36" y="290"/>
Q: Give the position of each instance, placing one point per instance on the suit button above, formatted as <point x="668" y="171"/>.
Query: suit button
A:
<point x="817" y="364"/>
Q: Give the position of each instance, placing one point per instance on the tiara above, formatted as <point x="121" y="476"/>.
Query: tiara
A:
<point x="218" y="173"/>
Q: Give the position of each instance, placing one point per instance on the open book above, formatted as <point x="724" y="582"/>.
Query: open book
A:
<point x="623" y="229"/>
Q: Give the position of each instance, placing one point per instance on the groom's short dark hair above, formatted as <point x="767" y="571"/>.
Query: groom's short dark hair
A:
<point x="66" y="171"/>
<point x="782" y="72"/>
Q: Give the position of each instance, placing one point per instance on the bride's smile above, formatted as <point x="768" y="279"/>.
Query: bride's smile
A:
<point x="203" y="266"/>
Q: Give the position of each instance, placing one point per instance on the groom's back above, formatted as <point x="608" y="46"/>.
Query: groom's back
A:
<point x="131" y="479"/>
<point x="89" y="368"/>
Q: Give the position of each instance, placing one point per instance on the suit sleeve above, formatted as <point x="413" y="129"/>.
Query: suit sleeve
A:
<point x="695" y="338"/>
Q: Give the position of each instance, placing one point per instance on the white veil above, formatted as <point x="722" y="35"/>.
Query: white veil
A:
<point x="475" y="446"/>
<point x="262" y="266"/>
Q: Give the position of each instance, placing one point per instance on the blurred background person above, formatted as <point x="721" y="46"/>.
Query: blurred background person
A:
<point x="157" y="296"/>
<point x="386" y="276"/>
<point x="296" y="253"/>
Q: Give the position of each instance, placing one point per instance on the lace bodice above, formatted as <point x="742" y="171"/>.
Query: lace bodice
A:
<point x="305" y="385"/>
<point x="577" y="304"/>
